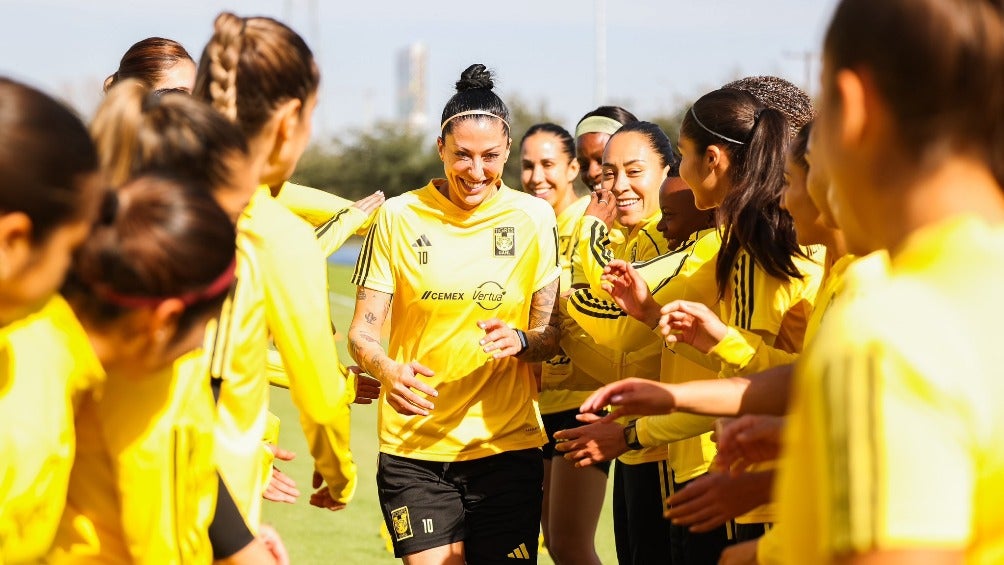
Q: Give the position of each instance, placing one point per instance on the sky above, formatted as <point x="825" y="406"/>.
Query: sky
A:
<point x="660" y="54"/>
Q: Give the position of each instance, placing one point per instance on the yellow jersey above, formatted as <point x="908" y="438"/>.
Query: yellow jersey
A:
<point x="596" y="245"/>
<point x="448" y="268"/>
<point x="334" y="218"/>
<point x="143" y="487"/>
<point x="281" y="292"/>
<point x="47" y="365"/>
<point x="558" y="400"/>
<point x="896" y="429"/>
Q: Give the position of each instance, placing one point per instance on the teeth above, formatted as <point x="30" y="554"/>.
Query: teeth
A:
<point x="541" y="191"/>
<point x="627" y="202"/>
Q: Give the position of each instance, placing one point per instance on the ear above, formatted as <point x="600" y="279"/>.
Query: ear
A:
<point x="441" y="148"/>
<point x="714" y="158"/>
<point x="288" y="114"/>
<point x="573" y="170"/>
<point x="15" y="243"/>
<point x="163" y="321"/>
<point x="854" y="105"/>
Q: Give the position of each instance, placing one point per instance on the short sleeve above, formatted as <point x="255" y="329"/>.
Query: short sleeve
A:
<point x="374" y="267"/>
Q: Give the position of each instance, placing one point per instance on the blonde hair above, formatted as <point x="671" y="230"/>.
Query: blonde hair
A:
<point x="137" y="131"/>
<point x="252" y="65"/>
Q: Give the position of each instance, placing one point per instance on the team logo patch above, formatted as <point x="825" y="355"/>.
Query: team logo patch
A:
<point x="505" y="241"/>
<point x="402" y="523"/>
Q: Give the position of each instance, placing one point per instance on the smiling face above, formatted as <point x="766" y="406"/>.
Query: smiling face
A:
<point x="546" y="171"/>
<point x="589" y="154"/>
<point x="633" y="172"/>
<point x="680" y="217"/>
<point x="473" y="154"/>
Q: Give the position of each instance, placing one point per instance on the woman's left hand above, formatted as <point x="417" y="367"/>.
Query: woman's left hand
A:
<point x="500" y="340"/>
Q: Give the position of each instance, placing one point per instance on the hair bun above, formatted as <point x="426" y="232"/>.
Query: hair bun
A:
<point x="475" y="76"/>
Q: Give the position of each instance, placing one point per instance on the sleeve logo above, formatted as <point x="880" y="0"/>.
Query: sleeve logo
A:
<point x="505" y="241"/>
<point x="402" y="523"/>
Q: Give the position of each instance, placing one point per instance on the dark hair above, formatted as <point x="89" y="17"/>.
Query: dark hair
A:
<point x="252" y="65"/>
<point x="751" y="217"/>
<point x="138" y="131"/>
<point x="567" y="143"/>
<point x="799" y="145"/>
<point x="158" y="238"/>
<point x="780" y="94"/>
<point x="942" y="77"/>
<point x="46" y="157"/>
<point x="147" y="61"/>
<point x="616" y="113"/>
<point x="474" y="92"/>
<point x="657" y="140"/>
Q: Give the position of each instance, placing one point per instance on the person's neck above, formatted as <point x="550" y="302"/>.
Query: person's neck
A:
<point x="565" y="202"/>
<point x="960" y="186"/>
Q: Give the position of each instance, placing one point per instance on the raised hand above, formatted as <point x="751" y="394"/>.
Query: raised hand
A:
<point x="750" y="439"/>
<point x="602" y="205"/>
<point x="692" y="323"/>
<point x="370" y="203"/>
<point x="630" y="292"/>
<point x="631" y="397"/>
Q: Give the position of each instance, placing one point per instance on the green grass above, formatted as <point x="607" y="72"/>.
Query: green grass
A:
<point x="351" y="536"/>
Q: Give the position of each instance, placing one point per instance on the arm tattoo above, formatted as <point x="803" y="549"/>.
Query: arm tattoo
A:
<point x="542" y="337"/>
<point x="370" y="317"/>
<point x="361" y="294"/>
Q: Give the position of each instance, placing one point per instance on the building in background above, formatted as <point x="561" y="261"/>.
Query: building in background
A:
<point x="411" y="88"/>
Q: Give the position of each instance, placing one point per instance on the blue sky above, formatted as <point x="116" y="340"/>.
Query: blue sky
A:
<point x="660" y="54"/>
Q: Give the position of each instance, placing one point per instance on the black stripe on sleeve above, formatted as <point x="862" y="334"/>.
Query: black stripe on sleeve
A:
<point x="751" y="291"/>
<point x="228" y="533"/>
<point x="599" y="243"/>
<point x="362" y="269"/>
<point x="323" y="228"/>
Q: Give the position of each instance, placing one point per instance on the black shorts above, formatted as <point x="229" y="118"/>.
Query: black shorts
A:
<point x="564" y="421"/>
<point x="491" y="504"/>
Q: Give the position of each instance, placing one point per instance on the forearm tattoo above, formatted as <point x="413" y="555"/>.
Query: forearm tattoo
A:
<point x="543" y="333"/>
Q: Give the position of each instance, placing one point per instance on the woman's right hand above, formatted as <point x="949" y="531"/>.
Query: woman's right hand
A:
<point x="401" y="386"/>
<point x="630" y="291"/>
<point x="692" y="323"/>
<point x="370" y="203"/>
<point x="602" y="205"/>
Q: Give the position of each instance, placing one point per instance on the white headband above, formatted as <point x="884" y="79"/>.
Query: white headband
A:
<point x="473" y="113"/>
<point x="597" y="124"/>
<point x="712" y="132"/>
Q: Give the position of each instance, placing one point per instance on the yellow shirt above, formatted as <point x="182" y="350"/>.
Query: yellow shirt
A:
<point x="334" y="218"/>
<point x="898" y="421"/>
<point x="143" y="487"/>
<point x="447" y="269"/>
<point x="46" y="364"/>
<point x="281" y="292"/>
<point x="596" y="245"/>
<point x="560" y="366"/>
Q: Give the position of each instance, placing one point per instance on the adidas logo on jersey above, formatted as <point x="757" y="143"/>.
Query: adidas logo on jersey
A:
<point x="519" y="553"/>
<point x="422" y="241"/>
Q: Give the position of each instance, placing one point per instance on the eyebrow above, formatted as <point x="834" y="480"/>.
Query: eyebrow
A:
<point x="495" y="148"/>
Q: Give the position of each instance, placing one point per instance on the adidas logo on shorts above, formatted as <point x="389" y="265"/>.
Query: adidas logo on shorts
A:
<point x="519" y="553"/>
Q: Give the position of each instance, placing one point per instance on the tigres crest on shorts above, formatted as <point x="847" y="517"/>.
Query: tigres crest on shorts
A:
<point x="402" y="523"/>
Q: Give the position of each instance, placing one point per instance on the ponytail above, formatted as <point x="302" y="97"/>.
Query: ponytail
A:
<point x="138" y="132"/>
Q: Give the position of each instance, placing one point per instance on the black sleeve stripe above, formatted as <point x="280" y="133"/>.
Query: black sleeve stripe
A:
<point x="654" y="243"/>
<point x="228" y="532"/>
<point x="666" y="280"/>
<point x="599" y="244"/>
<point x="557" y="248"/>
<point x="685" y="246"/>
<point x="362" y="269"/>
<point x="751" y="291"/>
<point x="219" y="356"/>
<point x="323" y="228"/>
<point x="593" y="307"/>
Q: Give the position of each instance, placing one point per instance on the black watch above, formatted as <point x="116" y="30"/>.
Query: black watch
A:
<point x="631" y="436"/>
<point x="523" y="342"/>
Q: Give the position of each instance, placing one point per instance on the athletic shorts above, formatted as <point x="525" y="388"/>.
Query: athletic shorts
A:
<point x="491" y="504"/>
<point x="564" y="421"/>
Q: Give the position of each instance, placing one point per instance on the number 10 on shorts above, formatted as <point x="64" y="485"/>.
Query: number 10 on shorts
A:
<point x="427" y="525"/>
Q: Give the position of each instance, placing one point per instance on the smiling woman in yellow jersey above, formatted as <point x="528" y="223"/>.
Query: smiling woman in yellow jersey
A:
<point x="262" y="75"/>
<point x="472" y="267"/>
<point x="49" y="195"/>
<point x="572" y="498"/>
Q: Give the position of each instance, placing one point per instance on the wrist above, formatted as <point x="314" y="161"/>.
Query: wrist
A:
<point x="631" y="436"/>
<point x="524" y="342"/>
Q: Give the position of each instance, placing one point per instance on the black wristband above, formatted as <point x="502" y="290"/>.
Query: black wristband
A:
<point x="523" y="343"/>
<point x="631" y="436"/>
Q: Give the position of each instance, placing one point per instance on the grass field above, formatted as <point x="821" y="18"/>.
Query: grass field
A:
<point x="351" y="536"/>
